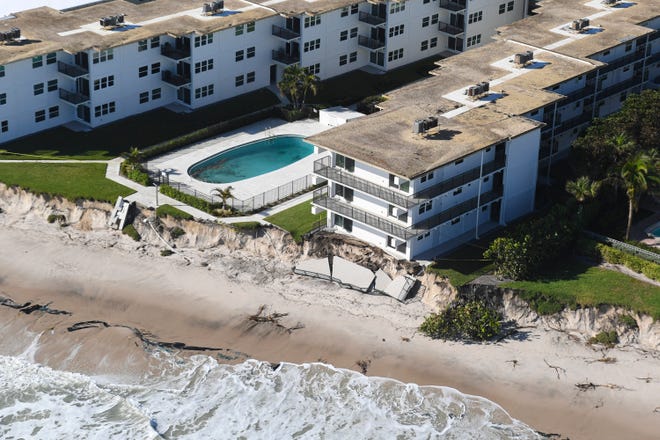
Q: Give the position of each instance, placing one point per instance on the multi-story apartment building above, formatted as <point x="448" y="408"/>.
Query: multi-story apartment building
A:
<point x="416" y="187"/>
<point x="67" y="68"/>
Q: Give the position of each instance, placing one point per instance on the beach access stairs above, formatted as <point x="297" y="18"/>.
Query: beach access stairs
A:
<point x="122" y="214"/>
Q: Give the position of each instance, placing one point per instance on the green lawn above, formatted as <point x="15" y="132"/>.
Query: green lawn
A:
<point x="576" y="283"/>
<point x="463" y="265"/>
<point x="70" y="180"/>
<point x="137" y="131"/>
<point x="165" y="210"/>
<point x="298" y="220"/>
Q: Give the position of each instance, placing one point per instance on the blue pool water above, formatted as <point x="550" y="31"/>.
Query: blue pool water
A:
<point x="656" y="232"/>
<point x="250" y="160"/>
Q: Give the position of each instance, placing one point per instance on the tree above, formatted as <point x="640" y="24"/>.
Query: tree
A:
<point x="296" y="83"/>
<point x="637" y="174"/>
<point x="582" y="188"/>
<point x="134" y="156"/>
<point x="225" y="194"/>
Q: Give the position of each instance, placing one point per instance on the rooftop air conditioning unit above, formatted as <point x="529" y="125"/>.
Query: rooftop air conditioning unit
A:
<point x="10" y="35"/>
<point x="213" y="7"/>
<point x="579" y="24"/>
<point x="418" y="126"/>
<point x="477" y="89"/>
<point x="522" y="59"/>
<point x="610" y="2"/>
<point x="112" y="21"/>
<point x="430" y="122"/>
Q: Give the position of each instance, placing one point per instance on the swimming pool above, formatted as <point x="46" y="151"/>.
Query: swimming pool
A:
<point x="250" y="160"/>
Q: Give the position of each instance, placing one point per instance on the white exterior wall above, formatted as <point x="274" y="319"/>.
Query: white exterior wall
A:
<point x="522" y="155"/>
<point x="492" y="19"/>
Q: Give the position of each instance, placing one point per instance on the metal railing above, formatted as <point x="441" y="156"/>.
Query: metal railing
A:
<point x="370" y="43"/>
<point x="284" y="33"/>
<point x="634" y="250"/>
<point x="450" y="28"/>
<point x="282" y="57"/>
<point x="371" y="19"/>
<point x="174" y="79"/>
<point x="173" y="53"/>
<point x="628" y="59"/>
<point x="73" y="97"/>
<point x="455" y="211"/>
<point x="71" y="70"/>
<point x="452" y="5"/>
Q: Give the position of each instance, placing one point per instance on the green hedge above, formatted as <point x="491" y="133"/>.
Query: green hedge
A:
<point x="134" y="173"/>
<point x="193" y="201"/>
<point x="616" y="256"/>
<point x="131" y="232"/>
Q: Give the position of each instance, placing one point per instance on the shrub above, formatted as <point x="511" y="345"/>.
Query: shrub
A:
<point x="176" y="232"/>
<point x="632" y="262"/>
<point x="60" y="218"/>
<point x="134" y="172"/>
<point x="166" y="252"/>
<point x="131" y="232"/>
<point x="193" y="201"/>
<point x="545" y="305"/>
<point x="629" y="322"/>
<point x="368" y="104"/>
<point x="608" y="339"/>
<point x="472" y="320"/>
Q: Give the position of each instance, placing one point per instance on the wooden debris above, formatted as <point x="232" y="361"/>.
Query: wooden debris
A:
<point x="273" y="318"/>
<point x="364" y="365"/>
<point x="586" y="386"/>
<point x="645" y="379"/>
<point x="557" y="369"/>
<point x="514" y="362"/>
<point x="605" y="360"/>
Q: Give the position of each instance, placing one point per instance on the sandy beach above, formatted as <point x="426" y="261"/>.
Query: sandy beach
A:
<point x="205" y="301"/>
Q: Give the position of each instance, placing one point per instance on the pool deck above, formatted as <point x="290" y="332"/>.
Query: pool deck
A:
<point x="176" y="164"/>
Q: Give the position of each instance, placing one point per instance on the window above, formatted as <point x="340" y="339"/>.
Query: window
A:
<point x="425" y="45"/>
<point x="204" y="91"/>
<point x="344" y="12"/>
<point x="457" y="191"/>
<point x="238" y="81"/>
<point x="344" y="162"/>
<point x="40" y="116"/>
<point x="396" y="30"/>
<point x="2" y="71"/>
<point x="426" y="177"/>
<point x="239" y="29"/>
<point x="104" y="82"/>
<point x="144" y="97"/>
<point x="346" y="193"/>
<point x="343" y="35"/>
<point x="156" y="93"/>
<point x="143" y="71"/>
<point x="53" y="112"/>
<point x="425" y="21"/>
<point x="4" y="126"/>
<point x="3" y="98"/>
<point x="486" y="179"/>
<point x="250" y="77"/>
<point x="354" y="32"/>
<point x="251" y="52"/>
<point x="473" y="40"/>
<point x="312" y="45"/>
<point x="425" y="207"/>
<point x="434" y="19"/>
<point x="38" y="89"/>
<point x="509" y="6"/>
<point x="251" y="26"/>
<point x="142" y="45"/>
<point x="606" y="53"/>
<point x="343" y="222"/>
<point x="484" y="208"/>
<point x="104" y="109"/>
<point x="155" y="68"/>
<point x="240" y="54"/>
<point x="102" y="56"/>
<point x="203" y="66"/>
<point x="397" y="7"/>
<point x="458" y="162"/>
<point x="629" y="46"/>
<point x="343" y="59"/>
<point x="475" y="17"/>
<point x="37" y="61"/>
<point x="534" y="113"/>
<point x="395" y="55"/>
<point x="354" y="9"/>
<point x="456" y="220"/>
<point x="155" y="42"/>
<point x="352" y="57"/>
<point x="52" y="85"/>
<point x="502" y="8"/>
<point x="423" y="236"/>
<point x="314" y="69"/>
<point x="203" y="40"/>
<point x="312" y="20"/>
<point x="51" y="58"/>
<point x="433" y="42"/>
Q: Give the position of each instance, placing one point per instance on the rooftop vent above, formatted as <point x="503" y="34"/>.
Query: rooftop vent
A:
<point x="213" y="7"/>
<point x="477" y="89"/>
<point x="112" y="21"/>
<point x="579" y="24"/>
<point x="523" y="59"/>
<point x="610" y="2"/>
<point x="10" y="35"/>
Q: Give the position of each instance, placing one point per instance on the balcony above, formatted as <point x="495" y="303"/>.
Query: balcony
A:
<point x="373" y="20"/>
<point x="370" y="43"/>
<point x="174" y="53"/>
<point x="452" y="5"/>
<point x="73" y="97"/>
<point x="628" y="59"/>
<point x="71" y="70"/>
<point x="284" y="34"/>
<point x="174" y="79"/>
<point x="282" y="57"/>
<point x="573" y="122"/>
<point x="635" y="81"/>
<point x="450" y="28"/>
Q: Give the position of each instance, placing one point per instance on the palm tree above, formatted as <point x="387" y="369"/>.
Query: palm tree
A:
<point x="133" y="156"/>
<point x="582" y="188"/>
<point x="225" y="194"/>
<point x="309" y="83"/>
<point x="637" y="174"/>
<point x="296" y="83"/>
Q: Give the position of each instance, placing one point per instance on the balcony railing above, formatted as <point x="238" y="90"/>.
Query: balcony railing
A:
<point x="373" y="20"/>
<point x="635" y="81"/>
<point x="450" y="28"/>
<point x="452" y="5"/>
<point x="628" y="59"/>
<point x="322" y="198"/>
<point x="284" y="33"/>
<point x="173" y="53"/>
<point x="174" y="79"/>
<point x="370" y="43"/>
<point x="573" y="122"/>
<point x="71" y="70"/>
<point x="282" y="57"/>
<point x="73" y="97"/>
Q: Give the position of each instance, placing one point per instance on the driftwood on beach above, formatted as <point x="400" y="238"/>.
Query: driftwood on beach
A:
<point x="273" y="318"/>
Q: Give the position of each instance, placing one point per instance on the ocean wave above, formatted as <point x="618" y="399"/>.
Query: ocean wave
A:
<point x="198" y="398"/>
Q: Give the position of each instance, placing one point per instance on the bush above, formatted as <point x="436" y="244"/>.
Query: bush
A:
<point x="193" y="201"/>
<point x="59" y="218"/>
<point x="632" y="262"/>
<point x="131" y="232"/>
<point x="629" y="322"/>
<point x="473" y="320"/>
<point x="368" y="104"/>
<point x="134" y="172"/>
<point x="545" y="305"/>
<point x="176" y="232"/>
<point x="608" y="339"/>
<point x="166" y="252"/>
